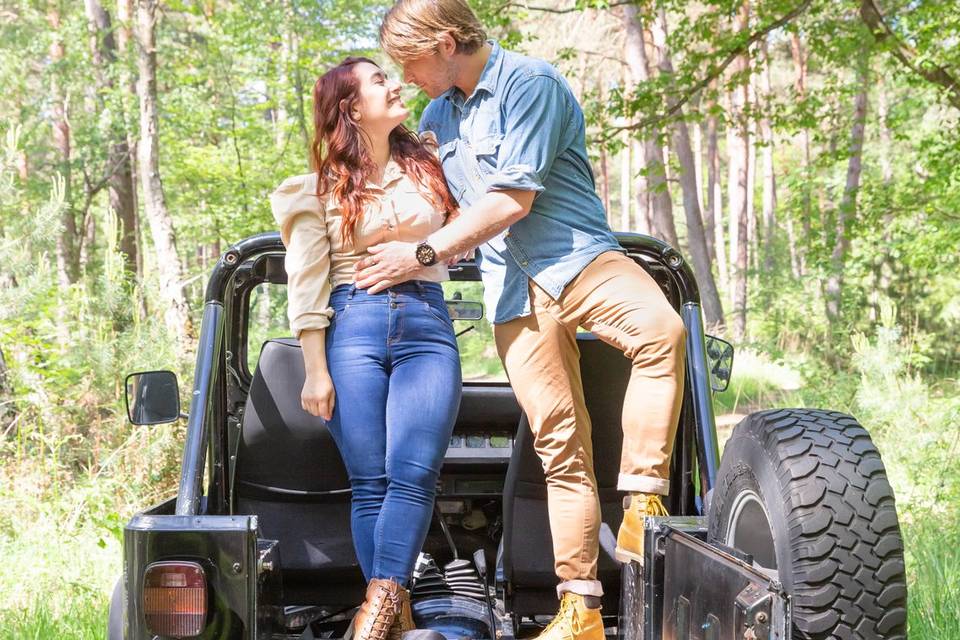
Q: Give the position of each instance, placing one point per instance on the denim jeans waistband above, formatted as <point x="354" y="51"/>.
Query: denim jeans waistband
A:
<point x="421" y="289"/>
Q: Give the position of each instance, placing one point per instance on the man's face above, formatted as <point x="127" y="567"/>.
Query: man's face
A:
<point x="434" y="73"/>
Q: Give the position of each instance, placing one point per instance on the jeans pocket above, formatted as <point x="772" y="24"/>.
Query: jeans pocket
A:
<point x="340" y="312"/>
<point x="440" y="313"/>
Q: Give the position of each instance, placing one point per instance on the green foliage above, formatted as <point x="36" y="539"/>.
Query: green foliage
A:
<point x="235" y="83"/>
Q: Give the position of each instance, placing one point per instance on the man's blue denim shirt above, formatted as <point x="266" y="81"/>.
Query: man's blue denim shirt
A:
<point x="523" y="129"/>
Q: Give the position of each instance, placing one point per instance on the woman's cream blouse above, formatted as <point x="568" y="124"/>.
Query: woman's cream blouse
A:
<point x="317" y="260"/>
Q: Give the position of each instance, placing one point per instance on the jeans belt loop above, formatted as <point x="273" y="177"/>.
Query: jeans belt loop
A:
<point x="353" y="290"/>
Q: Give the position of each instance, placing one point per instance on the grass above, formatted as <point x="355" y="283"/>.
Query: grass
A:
<point x="81" y="618"/>
<point x="62" y="558"/>
<point x="933" y="567"/>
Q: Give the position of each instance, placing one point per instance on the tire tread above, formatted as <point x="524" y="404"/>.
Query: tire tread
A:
<point x="845" y="545"/>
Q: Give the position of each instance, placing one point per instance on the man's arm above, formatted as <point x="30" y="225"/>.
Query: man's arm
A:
<point x="395" y="262"/>
<point x="493" y="213"/>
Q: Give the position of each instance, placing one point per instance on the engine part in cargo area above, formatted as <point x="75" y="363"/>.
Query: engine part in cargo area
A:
<point x="456" y="617"/>
<point x="458" y="578"/>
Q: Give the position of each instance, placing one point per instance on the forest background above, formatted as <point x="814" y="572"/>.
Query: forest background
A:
<point x="804" y="155"/>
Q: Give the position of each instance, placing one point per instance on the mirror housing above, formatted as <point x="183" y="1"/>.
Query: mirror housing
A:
<point x="720" y="362"/>
<point x="464" y="309"/>
<point x="152" y="397"/>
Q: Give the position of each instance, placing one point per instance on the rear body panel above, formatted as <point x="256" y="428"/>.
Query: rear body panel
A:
<point x="226" y="548"/>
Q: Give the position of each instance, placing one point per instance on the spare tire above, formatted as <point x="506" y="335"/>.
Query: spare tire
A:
<point x="804" y="491"/>
<point x="115" y="616"/>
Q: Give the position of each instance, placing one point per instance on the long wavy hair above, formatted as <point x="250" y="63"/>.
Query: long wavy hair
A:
<point x="341" y="158"/>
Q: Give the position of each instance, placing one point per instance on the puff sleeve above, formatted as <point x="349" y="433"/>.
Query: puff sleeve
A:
<point x="300" y="214"/>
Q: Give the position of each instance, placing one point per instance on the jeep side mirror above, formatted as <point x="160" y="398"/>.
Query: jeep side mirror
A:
<point x="720" y="362"/>
<point x="152" y="397"/>
<point x="464" y="309"/>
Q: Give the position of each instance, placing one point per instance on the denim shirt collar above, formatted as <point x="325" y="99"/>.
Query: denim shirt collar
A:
<point x="488" y="77"/>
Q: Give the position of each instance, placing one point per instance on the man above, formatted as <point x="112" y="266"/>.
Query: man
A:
<point x="512" y="144"/>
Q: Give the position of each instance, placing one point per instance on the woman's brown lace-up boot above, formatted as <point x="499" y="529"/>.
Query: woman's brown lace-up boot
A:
<point x="381" y="612"/>
<point x="404" y="620"/>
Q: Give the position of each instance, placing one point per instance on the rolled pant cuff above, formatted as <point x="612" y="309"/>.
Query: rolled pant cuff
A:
<point x="643" y="484"/>
<point x="580" y="587"/>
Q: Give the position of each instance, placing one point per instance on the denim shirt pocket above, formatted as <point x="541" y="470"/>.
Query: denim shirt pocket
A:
<point x="480" y="162"/>
<point x="453" y="170"/>
<point x="486" y="150"/>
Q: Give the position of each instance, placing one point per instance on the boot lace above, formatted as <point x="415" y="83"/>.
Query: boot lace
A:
<point x="381" y="618"/>
<point x="654" y="506"/>
<point x="565" y="614"/>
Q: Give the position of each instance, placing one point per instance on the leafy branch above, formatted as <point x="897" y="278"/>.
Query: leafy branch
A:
<point x="883" y="33"/>
<point x="712" y="74"/>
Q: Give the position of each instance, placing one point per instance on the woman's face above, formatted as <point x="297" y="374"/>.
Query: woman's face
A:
<point x="378" y="106"/>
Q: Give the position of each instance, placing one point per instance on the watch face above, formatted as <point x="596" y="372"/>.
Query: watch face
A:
<point x="426" y="255"/>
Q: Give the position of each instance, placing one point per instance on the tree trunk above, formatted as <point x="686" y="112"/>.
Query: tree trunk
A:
<point x="67" y="237"/>
<point x="125" y="18"/>
<point x="885" y="265"/>
<point x="625" y="180"/>
<point x="661" y="206"/>
<point x="739" y="173"/>
<point x="752" y="170"/>
<point x="642" y="194"/>
<point x="769" y="177"/>
<point x="798" y="253"/>
<point x="176" y="315"/>
<point x="713" y="217"/>
<point x="698" y="155"/>
<point x="120" y="185"/>
<point x="846" y="213"/>
<point x="280" y="115"/>
<point x="712" y="309"/>
<point x="8" y="408"/>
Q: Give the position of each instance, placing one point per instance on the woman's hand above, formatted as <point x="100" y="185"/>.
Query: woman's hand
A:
<point x="317" y="397"/>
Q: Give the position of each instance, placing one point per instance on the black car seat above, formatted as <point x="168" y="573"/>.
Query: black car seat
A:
<point x="289" y="473"/>
<point x="527" y="546"/>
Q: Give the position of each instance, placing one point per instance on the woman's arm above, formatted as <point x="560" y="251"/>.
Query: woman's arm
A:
<point x="317" y="397"/>
<point x="303" y="230"/>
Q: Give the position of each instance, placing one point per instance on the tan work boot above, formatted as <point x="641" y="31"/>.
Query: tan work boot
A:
<point x="574" y="621"/>
<point x="379" y="610"/>
<point x="404" y="620"/>
<point x="636" y="507"/>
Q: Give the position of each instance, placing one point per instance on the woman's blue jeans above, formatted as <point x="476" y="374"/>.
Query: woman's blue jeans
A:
<point x="396" y="371"/>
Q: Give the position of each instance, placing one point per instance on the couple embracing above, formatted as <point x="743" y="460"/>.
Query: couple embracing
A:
<point x="499" y="166"/>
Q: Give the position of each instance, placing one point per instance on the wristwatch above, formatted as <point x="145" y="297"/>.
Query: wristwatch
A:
<point x="426" y="255"/>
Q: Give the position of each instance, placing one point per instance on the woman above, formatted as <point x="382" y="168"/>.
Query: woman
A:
<point x="383" y="369"/>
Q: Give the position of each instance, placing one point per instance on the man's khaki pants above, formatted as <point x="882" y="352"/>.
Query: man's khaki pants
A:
<point x="616" y="300"/>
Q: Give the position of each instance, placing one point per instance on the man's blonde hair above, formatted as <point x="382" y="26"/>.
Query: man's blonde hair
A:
<point x="411" y="27"/>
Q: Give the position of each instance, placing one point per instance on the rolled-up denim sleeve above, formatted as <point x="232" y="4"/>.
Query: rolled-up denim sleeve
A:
<point x="535" y="114"/>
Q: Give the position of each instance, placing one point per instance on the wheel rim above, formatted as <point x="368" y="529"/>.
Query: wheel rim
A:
<point x="749" y="529"/>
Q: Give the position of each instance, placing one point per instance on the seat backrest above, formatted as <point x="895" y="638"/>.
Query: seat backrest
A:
<point x="527" y="546"/>
<point x="290" y="474"/>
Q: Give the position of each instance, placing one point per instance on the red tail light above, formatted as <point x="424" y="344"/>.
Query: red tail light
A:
<point x="175" y="599"/>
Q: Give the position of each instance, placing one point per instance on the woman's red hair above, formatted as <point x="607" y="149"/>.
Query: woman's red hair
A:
<point x="341" y="158"/>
